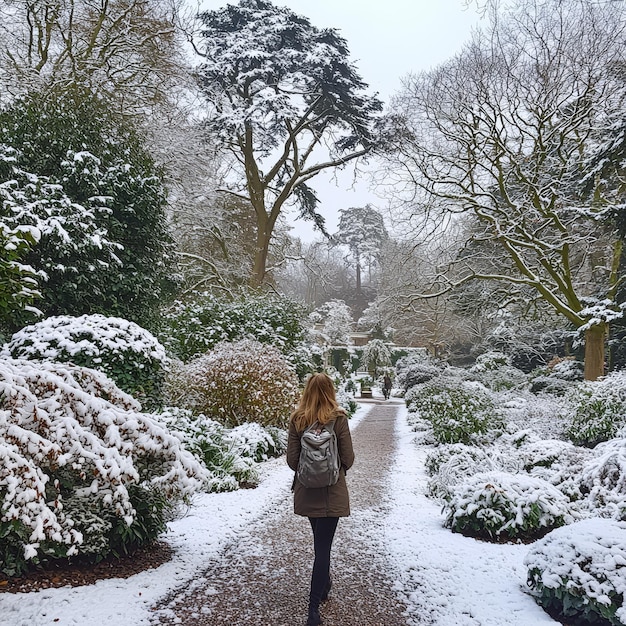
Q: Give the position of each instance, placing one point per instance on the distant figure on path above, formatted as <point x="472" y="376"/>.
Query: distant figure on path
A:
<point x="387" y="386"/>
<point x="325" y="505"/>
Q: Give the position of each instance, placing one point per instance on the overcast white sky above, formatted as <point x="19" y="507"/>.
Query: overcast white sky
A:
<point x="387" y="39"/>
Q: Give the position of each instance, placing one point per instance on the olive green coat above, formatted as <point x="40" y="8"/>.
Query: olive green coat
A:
<point x="330" y="501"/>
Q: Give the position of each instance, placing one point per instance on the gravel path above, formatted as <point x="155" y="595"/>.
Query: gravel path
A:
<point x="264" y="577"/>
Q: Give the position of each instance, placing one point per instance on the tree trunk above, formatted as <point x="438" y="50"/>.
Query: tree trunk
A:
<point x="260" y="258"/>
<point x="358" y="276"/>
<point x="594" y="351"/>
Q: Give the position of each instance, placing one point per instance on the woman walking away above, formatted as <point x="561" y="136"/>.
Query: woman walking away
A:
<point x="319" y="412"/>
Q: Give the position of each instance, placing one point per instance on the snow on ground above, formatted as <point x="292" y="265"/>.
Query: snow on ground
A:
<point x="449" y="579"/>
<point x="212" y="521"/>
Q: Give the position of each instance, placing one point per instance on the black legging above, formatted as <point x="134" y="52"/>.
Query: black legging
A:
<point x="323" y="533"/>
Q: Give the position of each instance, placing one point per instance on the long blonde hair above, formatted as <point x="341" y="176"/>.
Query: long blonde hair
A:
<point x="318" y="402"/>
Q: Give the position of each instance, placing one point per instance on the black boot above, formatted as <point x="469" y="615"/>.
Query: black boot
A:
<point x="314" y="618"/>
<point x="329" y="586"/>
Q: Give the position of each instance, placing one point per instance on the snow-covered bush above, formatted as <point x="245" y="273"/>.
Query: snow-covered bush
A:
<point x="558" y="377"/>
<point x="228" y="467"/>
<point x="494" y="370"/>
<point x="599" y="410"/>
<point x="414" y="369"/>
<point x="242" y="382"/>
<point x="603" y="480"/>
<point x="579" y="571"/>
<point x="127" y="353"/>
<point x="450" y="465"/>
<point x="193" y="327"/>
<point x="458" y="412"/>
<point x="497" y="505"/>
<point x="558" y="462"/>
<point x="83" y="177"/>
<point x="490" y="361"/>
<point x="82" y="470"/>
<point x="258" y="443"/>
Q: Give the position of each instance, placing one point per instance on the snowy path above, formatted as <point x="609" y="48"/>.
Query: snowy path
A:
<point x="263" y="578"/>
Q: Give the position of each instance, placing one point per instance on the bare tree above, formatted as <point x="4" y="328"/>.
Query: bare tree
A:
<point x="507" y="131"/>
<point x="129" y="51"/>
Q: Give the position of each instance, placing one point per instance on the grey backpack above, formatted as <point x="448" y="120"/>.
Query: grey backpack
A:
<point x="319" y="457"/>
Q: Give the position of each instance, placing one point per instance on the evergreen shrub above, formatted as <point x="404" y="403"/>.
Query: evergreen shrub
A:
<point x="198" y="324"/>
<point x="603" y="480"/>
<point x="130" y="355"/>
<point x="451" y="464"/>
<point x="501" y="506"/>
<point x="578" y="572"/>
<point x="459" y="412"/>
<point x="599" y="409"/>
<point x="83" y="471"/>
<point x="414" y="369"/>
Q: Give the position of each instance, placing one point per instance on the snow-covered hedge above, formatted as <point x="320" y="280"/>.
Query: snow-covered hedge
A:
<point x="127" y="353"/>
<point x="458" y="411"/>
<point x="497" y="505"/>
<point x="599" y="409"/>
<point x="82" y="470"/>
<point x="242" y="382"/>
<point x="579" y="571"/>
<point x="193" y="327"/>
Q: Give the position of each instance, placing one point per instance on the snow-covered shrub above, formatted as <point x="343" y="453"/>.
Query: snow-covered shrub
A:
<point x="603" y="479"/>
<point x="193" y="327"/>
<point x="211" y="443"/>
<point x="546" y="415"/>
<point x="558" y="377"/>
<point x="258" y="443"/>
<point x="414" y="369"/>
<point x="558" y="462"/>
<point x="497" y="505"/>
<point x="599" y="410"/>
<point x="494" y="370"/>
<point x="80" y="464"/>
<point x="579" y="571"/>
<point x="490" y="361"/>
<point x="458" y="412"/>
<point x="242" y="382"/>
<point x="442" y="454"/>
<point x="450" y="465"/>
<point x="127" y="353"/>
<point x="84" y="178"/>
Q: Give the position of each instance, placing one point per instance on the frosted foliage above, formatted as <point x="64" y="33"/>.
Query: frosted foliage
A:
<point x="42" y="204"/>
<point x="256" y="442"/>
<point x="599" y="409"/>
<point x="451" y="464"/>
<point x="239" y="382"/>
<point x="55" y="417"/>
<point x="494" y="504"/>
<point x="603" y="479"/>
<point x="56" y="338"/>
<point x="586" y="563"/>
